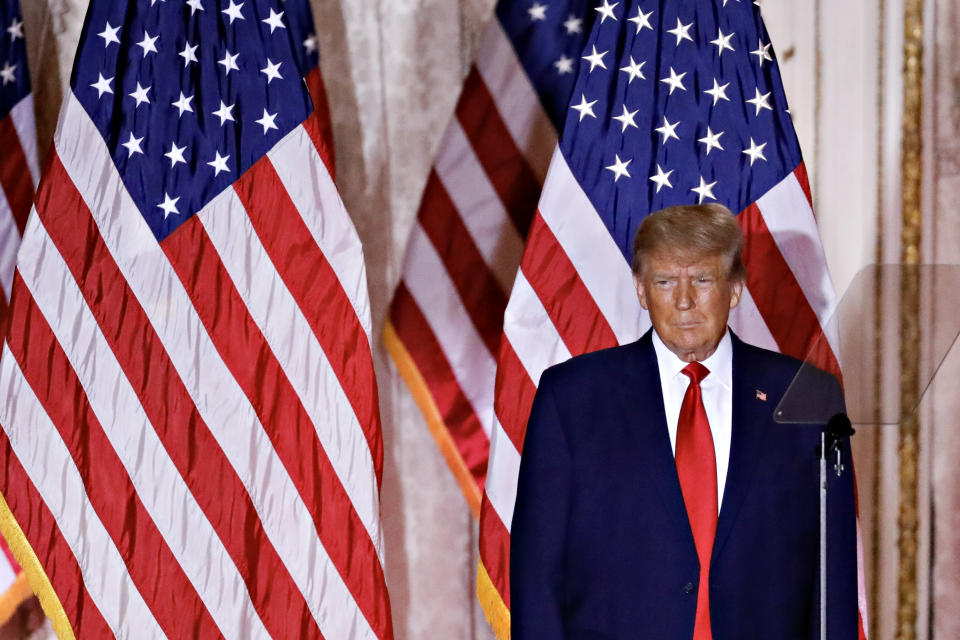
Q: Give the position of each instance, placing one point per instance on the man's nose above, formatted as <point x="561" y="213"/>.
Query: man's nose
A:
<point x="683" y="296"/>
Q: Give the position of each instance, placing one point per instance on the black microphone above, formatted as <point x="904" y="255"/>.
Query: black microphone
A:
<point x="838" y="427"/>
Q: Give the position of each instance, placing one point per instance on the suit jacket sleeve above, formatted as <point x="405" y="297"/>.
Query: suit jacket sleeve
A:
<point x="538" y="532"/>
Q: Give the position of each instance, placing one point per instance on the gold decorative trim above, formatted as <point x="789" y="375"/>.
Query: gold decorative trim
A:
<point x="911" y="161"/>
<point x="874" y="582"/>
<point x="36" y="576"/>
<point x="496" y="611"/>
<point x="438" y="429"/>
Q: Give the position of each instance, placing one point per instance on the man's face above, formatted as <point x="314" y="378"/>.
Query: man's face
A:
<point x="689" y="300"/>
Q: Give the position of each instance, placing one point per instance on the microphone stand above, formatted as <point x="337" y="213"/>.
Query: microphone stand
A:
<point x="837" y="428"/>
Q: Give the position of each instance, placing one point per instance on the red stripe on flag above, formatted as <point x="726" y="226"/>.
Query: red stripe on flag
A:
<point x="571" y="308"/>
<point x="495" y="549"/>
<point x="167" y="404"/>
<point x="15" y="174"/>
<point x="504" y="164"/>
<point x="152" y="566"/>
<point x="4" y="310"/>
<point x="779" y="298"/>
<point x="42" y="532"/>
<point x="319" y="294"/>
<point x="476" y="286"/>
<point x="454" y="407"/>
<point x="801" y="174"/>
<point x="318" y="125"/>
<point x="251" y="361"/>
<point x="513" y="409"/>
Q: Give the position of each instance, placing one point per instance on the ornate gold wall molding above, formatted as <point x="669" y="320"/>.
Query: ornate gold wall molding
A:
<point x="911" y="192"/>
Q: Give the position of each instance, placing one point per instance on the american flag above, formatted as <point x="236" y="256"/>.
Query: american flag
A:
<point x="190" y="440"/>
<point x="446" y="318"/>
<point x="18" y="179"/>
<point x="674" y="102"/>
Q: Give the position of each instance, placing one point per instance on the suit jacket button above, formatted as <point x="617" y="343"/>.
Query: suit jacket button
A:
<point x="688" y="588"/>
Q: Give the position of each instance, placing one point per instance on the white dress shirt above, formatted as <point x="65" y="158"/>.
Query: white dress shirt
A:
<point x="717" y="391"/>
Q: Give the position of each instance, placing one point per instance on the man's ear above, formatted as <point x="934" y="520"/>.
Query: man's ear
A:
<point x="736" y="291"/>
<point x="641" y="295"/>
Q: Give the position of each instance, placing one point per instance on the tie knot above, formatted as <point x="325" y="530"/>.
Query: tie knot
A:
<point x="696" y="372"/>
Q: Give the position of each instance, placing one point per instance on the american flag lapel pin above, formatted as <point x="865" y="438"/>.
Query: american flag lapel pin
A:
<point x="761" y="396"/>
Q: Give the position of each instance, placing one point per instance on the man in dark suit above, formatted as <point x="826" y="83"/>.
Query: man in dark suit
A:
<point x="657" y="497"/>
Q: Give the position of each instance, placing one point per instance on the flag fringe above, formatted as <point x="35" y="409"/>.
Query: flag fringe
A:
<point x="438" y="429"/>
<point x="495" y="610"/>
<point x="35" y="575"/>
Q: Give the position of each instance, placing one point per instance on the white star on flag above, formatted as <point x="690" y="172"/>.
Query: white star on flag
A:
<point x="606" y="10"/>
<point x="148" y="44"/>
<point x="755" y="151"/>
<point x="668" y="130"/>
<point x="189" y="53"/>
<point x="225" y="113"/>
<point x="109" y="34"/>
<point x="233" y="11"/>
<point x="681" y="31"/>
<point x="573" y="25"/>
<point x="596" y="59"/>
<point x="719" y="92"/>
<point x="762" y="52"/>
<point x="102" y="85"/>
<point x="267" y="121"/>
<point x="140" y="95"/>
<point x="272" y="71"/>
<point x="635" y="69"/>
<point x="183" y="103"/>
<point x="219" y="164"/>
<point x="15" y="29"/>
<point x="275" y="20"/>
<point x="712" y="140"/>
<point x="537" y="11"/>
<point x="642" y="20"/>
<point x="229" y="61"/>
<point x="619" y="168"/>
<point x="176" y="154"/>
<point x="705" y="190"/>
<point x="7" y="73"/>
<point x="675" y="81"/>
<point x="133" y="145"/>
<point x="760" y="101"/>
<point x="584" y="108"/>
<point x="661" y="178"/>
<point x="626" y="118"/>
<point x="723" y="42"/>
<point x="195" y="5"/>
<point x="564" y="65"/>
<point x="169" y="205"/>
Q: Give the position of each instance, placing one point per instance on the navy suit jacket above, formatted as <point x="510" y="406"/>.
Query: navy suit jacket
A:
<point x="600" y="542"/>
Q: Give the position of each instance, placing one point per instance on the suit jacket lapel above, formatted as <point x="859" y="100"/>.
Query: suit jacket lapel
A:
<point x="750" y="424"/>
<point x="642" y="405"/>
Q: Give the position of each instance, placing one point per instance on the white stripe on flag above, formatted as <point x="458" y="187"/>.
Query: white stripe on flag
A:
<point x="749" y="325"/>
<point x="158" y="484"/>
<point x="531" y="332"/>
<point x="431" y="288"/>
<point x="517" y="102"/>
<point x="502" y="474"/>
<point x="787" y="214"/>
<point x="25" y="125"/>
<point x="479" y="205"/>
<point x="305" y="177"/>
<point x="274" y="309"/>
<point x="47" y="461"/>
<point x="587" y="242"/>
<point x="9" y="242"/>
<point x="216" y="394"/>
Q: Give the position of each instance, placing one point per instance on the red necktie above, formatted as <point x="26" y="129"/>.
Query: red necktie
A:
<point x="697" y="469"/>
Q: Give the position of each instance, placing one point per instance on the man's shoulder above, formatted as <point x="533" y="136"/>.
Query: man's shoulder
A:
<point x="597" y="368"/>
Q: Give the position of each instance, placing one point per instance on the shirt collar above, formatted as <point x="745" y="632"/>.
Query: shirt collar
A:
<point x="719" y="363"/>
